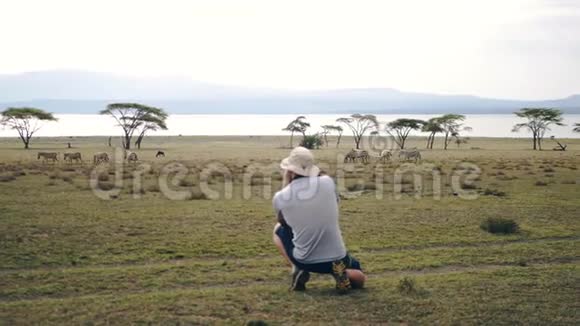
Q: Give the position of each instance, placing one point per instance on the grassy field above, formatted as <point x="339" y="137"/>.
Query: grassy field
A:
<point x="67" y="256"/>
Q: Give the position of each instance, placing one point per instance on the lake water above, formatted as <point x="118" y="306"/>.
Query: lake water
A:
<point x="484" y="125"/>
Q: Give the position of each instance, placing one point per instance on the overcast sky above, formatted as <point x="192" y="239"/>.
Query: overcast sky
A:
<point x="528" y="49"/>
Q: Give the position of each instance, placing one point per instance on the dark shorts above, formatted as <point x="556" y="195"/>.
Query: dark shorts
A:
<point x="285" y="234"/>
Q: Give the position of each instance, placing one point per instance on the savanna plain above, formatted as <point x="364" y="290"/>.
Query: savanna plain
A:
<point x="187" y="238"/>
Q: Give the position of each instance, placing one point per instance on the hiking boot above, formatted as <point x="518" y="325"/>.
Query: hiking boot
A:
<point x="339" y="274"/>
<point x="299" y="279"/>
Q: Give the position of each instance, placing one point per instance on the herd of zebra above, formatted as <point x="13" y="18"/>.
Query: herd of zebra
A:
<point x="385" y="155"/>
<point x="131" y="157"/>
<point x="98" y="158"/>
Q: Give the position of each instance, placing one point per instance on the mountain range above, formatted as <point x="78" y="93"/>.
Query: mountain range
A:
<point x="84" y="92"/>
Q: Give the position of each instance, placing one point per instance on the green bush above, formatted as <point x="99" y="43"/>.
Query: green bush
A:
<point x="407" y="286"/>
<point x="494" y="192"/>
<point x="500" y="225"/>
<point x="311" y="141"/>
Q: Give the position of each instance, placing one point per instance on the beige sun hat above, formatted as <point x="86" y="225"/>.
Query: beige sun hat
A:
<point x="300" y="161"/>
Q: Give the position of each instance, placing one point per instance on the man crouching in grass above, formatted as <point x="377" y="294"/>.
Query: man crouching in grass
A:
<point x="307" y="233"/>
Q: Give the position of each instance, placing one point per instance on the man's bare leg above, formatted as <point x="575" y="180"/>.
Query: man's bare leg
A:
<point x="280" y="245"/>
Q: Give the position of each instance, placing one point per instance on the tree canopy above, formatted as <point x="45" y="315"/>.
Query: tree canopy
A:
<point x="330" y="128"/>
<point x="433" y="127"/>
<point x="297" y="125"/>
<point x="135" y="117"/>
<point x="25" y="120"/>
<point x="400" y="129"/>
<point x="359" y="124"/>
<point x="452" y="125"/>
<point x="538" y="122"/>
<point x="150" y="123"/>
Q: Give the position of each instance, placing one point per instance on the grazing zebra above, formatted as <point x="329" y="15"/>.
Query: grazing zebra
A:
<point x="160" y="154"/>
<point x="385" y="155"/>
<point x="355" y="154"/>
<point x="409" y="155"/>
<point x="100" y="158"/>
<point x="47" y="156"/>
<point x="70" y="157"/>
<point x="132" y="157"/>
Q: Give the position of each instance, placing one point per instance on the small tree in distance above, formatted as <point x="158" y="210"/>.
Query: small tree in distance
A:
<point x="26" y="121"/>
<point x="452" y="125"/>
<point x="400" y="129"/>
<point x="577" y="127"/>
<point x="297" y="125"/>
<point x="328" y="129"/>
<point x="433" y="128"/>
<point x="359" y="124"/>
<point x="539" y="121"/>
<point x="132" y="116"/>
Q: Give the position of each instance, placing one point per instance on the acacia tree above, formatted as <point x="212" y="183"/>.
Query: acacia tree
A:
<point x="297" y="125"/>
<point x="359" y="124"/>
<point x="539" y="121"/>
<point x="400" y="129"/>
<point x="577" y="127"/>
<point x="324" y="134"/>
<point x="452" y="125"/>
<point x="433" y="128"/>
<point x="329" y="129"/>
<point x="26" y="121"/>
<point x="150" y="123"/>
<point x="131" y="117"/>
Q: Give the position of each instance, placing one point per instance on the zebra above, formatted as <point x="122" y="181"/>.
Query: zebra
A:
<point x="132" y="157"/>
<point x="355" y="154"/>
<point x="70" y="157"/>
<point x="100" y="157"/>
<point x="385" y="155"/>
<point x="47" y="156"/>
<point x="408" y="155"/>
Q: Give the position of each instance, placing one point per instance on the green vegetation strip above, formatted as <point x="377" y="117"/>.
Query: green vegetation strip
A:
<point x="545" y="295"/>
<point x="34" y="284"/>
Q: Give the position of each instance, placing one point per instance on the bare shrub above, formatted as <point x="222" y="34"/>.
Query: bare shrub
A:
<point x="103" y="177"/>
<point x="106" y="186"/>
<point x="196" y="194"/>
<point x="7" y="178"/>
<point x="153" y="188"/>
<point x="407" y="286"/>
<point x="493" y="192"/>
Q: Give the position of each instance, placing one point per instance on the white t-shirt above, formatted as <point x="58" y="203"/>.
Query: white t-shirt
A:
<point x="309" y="206"/>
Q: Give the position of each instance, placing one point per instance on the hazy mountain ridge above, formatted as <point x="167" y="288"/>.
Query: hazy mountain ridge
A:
<point x="89" y="92"/>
